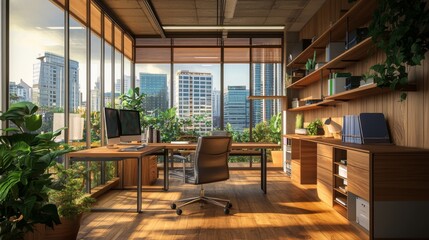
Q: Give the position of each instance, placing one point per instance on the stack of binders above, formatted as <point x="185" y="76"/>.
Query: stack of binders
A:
<point x="366" y="128"/>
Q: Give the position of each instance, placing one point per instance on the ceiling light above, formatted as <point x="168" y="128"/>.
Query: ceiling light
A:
<point x="223" y="27"/>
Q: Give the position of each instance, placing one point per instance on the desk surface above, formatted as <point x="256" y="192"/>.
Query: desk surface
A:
<point x="249" y="145"/>
<point x="104" y="152"/>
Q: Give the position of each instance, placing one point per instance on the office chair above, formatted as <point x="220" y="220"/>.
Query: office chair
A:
<point x="210" y="165"/>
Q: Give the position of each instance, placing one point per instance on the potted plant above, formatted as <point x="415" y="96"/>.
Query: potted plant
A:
<point x="275" y="125"/>
<point x="25" y="157"/>
<point x="315" y="127"/>
<point x="70" y="200"/>
<point x="399" y="28"/>
<point x="310" y="65"/>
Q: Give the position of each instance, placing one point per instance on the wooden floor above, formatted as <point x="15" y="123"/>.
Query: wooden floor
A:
<point x="287" y="211"/>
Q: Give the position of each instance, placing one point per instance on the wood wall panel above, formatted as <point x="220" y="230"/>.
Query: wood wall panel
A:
<point x="408" y="121"/>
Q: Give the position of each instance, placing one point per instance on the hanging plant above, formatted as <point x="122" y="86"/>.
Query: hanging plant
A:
<point x="401" y="29"/>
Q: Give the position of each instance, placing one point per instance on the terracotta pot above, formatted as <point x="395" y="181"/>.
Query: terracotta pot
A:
<point x="68" y="229"/>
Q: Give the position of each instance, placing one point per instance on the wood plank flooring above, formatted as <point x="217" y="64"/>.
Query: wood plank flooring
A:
<point x="288" y="211"/>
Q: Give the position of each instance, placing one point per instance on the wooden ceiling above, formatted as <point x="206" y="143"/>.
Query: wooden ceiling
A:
<point x="147" y="17"/>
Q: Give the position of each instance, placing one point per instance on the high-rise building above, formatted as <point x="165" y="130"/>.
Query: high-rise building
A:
<point x="154" y="85"/>
<point x="48" y="82"/>
<point x="96" y="96"/>
<point x="193" y="97"/>
<point x="19" y="92"/>
<point x="237" y="107"/>
<point x="266" y="80"/>
<point x="127" y="85"/>
<point x="216" y="108"/>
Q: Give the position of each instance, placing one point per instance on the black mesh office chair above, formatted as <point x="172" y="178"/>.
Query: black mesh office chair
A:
<point x="210" y="165"/>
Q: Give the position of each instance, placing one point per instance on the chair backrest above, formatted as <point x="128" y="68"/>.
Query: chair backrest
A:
<point x="211" y="159"/>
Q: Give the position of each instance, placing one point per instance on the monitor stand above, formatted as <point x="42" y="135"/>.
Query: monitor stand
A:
<point x="111" y="146"/>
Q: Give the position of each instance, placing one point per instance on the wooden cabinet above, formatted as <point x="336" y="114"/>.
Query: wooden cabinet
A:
<point x="149" y="171"/>
<point x="303" y="162"/>
<point x="393" y="181"/>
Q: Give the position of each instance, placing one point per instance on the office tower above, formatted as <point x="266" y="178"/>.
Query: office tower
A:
<point x="154" y="85"/>
<point x="193" y="97"/>
<point x="19" y="92"/>
<point x="96" y="96"/>
<point x="266" y="83"/>
<point x="127" y="84"/>
<point x="237" y="107"/>
<point x="48" y="82"/>
<point x="216" y="108"/>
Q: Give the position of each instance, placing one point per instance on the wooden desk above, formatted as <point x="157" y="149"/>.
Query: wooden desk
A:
<point x="235" y="146"/>
<point x="106" y="154"/>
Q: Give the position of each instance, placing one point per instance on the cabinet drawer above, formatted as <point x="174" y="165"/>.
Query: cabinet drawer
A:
<point x="324" y="162"/>
<point x="358" y="159"/>
<point x="324" y="175"/>
<point x="324" y="192"/>
<point x="358" y="181"/>
<point x="324" y="150"/>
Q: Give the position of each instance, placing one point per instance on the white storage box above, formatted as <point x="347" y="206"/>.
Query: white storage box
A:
<point x="362" y="213"/>
<point x="342" y="171"/>
<point x="333" y="50"/>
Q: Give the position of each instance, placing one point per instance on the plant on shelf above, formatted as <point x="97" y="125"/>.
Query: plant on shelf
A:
<point x="400" y="29"/>
<point x="314" y="127"/>
<point x="25" y="157"/>
<point x="70" y="199"/>
<point x="310" y="65"/>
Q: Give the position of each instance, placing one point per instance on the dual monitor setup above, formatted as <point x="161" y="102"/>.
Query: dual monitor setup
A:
<point x="122" y="126"/>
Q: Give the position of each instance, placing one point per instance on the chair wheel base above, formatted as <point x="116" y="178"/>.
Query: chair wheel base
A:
<point x="226" y="211"/>
<point x="173" y="206"/>
<point x="229" y="205"/>
<point x="179" y="211"/>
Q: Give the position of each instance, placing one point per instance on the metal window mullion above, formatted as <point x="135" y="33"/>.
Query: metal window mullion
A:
<point x="102" y="80"/>
<point x="66" y="71"/>
<point x="4" y="28"/>
<point x="222" y="85"/>
<point x="88" y="75"/>
<point x="171" y="74"/>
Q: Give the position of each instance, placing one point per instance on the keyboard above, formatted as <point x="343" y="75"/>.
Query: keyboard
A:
<point x="133" y="148"/>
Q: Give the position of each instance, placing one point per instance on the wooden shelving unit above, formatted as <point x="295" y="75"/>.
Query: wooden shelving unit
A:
<point x="355" y="17"/>
<point x="351" y="56"/>
<point x="313" y="106"/>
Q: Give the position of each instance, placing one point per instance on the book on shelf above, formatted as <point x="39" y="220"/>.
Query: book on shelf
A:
<point x="341" y="200"/>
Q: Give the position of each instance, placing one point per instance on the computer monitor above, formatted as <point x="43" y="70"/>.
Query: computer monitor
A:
<point x="113" y="126"/>
<point x="130" y="125"/>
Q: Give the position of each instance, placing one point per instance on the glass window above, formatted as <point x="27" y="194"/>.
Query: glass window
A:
<point x="95" y="98"/>
<point x="154" y="81"/>
<point x="200" y="105"/>
<point x="127" y="74"/>
<point x="118" y="77"/>
<point x="77" y="82"/>
<point x="37" y="69"/>
<point x="108" y="95"/>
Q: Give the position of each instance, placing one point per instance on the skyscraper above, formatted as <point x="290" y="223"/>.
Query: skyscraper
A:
<point x="19" y="92"/>
<point x="237" y="107"/>
<point x="154" y="85"/>
<point x="48" y="82"/>
<point x="193" y="97"/>
<point x="216" y="108"/>
<point x="96" y="96"/>
<point x="266" y="83"/>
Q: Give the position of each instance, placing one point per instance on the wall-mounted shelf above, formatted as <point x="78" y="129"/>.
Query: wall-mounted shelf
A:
<point x="267" y="97"/>
<point x="355" y="17"/>
<point x="349" y="57"/>
<point x="313" y="106"/>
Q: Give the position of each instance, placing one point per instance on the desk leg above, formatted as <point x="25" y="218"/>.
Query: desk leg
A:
<point x="166" y="175"/>
<point x="264" y="170"/>
<point x="139" y="185"/>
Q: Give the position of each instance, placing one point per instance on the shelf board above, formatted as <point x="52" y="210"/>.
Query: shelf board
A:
<point x="356" y="16"/>
<point x="351" y="56"/>
<point x="338" y="176"/>
<point x="339" y="203"/>
<point x="340" y="164"/>
<point x="266" y="97"/>
<point x="313" y="106"/>
<point x="341" y="191"/>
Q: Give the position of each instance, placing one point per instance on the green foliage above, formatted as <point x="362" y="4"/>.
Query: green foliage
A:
<point x="313" y="127"/>
<point x="24" y="183"/>
<point x="133" y="99"/>
<point x="238" y="136"/>
<point x="311" y="63"/>
<point x="299" y="121"/>
<point x="401" y="29"/>
<point x="70" y="198"/>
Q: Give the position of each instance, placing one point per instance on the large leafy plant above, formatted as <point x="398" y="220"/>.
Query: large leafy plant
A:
<point x="401" y="29"/>
<point x="25" y="157"/>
